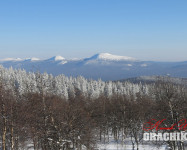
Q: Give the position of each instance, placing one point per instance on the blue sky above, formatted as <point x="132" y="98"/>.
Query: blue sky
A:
<point x="144" y="29"/>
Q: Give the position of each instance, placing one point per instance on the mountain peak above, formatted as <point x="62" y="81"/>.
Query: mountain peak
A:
<point x="110" y="57"/>
<point x="57" y="58"/>
<point x="32" y="59"/>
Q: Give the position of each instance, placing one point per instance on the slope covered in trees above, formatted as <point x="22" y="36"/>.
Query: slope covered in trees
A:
<point x="61" y="113"/>
<point x="64" y="86"/>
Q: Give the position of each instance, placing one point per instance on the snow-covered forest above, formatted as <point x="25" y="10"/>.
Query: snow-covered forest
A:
<point x="64" y="86"/>
<point x="64" y="113"/>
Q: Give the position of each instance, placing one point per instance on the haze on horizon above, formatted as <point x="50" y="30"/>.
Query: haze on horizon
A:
<point x="146" y="30"/>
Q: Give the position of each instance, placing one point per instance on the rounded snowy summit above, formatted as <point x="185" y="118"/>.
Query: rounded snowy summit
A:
<point x="57" y="58"/>
<point x="110" y="57"/>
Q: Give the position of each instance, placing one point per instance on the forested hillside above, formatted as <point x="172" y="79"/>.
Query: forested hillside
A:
<point x="63" y="113"/>
<point x="64" y="86"/>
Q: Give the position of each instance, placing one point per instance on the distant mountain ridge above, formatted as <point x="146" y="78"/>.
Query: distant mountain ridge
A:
<point x="154" y="79"/>
<point x="104" y="65"/>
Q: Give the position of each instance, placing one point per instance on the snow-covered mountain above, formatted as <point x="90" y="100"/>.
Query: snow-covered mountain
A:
<point x="104" y="65"/>
<point x="110" y="57"/>
<point x="56" y="58"/>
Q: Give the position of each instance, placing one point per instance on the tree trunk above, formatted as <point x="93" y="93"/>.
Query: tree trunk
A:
<point x="12" y="137"/>
<point x="4" y="128"/>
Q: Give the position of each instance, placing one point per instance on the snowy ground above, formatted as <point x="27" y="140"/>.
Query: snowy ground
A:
<point x="127" y="145"/>
<point x="114" y="146"/>
<point x="117" y="146"/>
